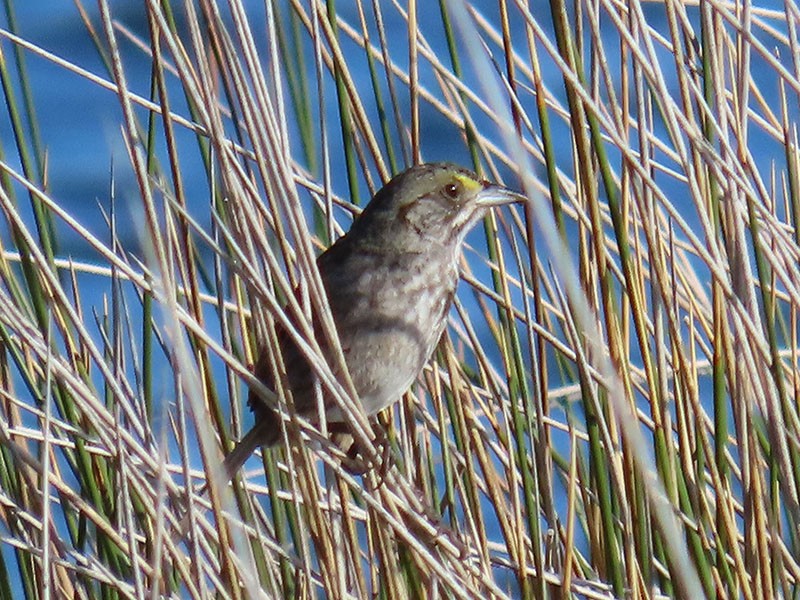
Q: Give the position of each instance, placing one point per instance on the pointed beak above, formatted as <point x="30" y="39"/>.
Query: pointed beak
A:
<point x="497" y="195"/>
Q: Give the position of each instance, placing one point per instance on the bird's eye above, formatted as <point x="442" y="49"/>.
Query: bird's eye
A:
<point x="452" y="190"/>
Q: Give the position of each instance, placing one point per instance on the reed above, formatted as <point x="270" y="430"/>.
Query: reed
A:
<point x="613" y="411"/>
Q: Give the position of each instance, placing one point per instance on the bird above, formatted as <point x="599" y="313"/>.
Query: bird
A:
<point x="390" y="282"/>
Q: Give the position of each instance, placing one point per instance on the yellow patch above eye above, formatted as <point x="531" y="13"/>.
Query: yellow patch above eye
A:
<point x="469" y="183"/>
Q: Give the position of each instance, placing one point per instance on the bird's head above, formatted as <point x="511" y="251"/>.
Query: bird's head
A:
<point x="434" y="203"/>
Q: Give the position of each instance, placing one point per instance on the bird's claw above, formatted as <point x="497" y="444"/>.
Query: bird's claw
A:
<point x="355" y="463"/>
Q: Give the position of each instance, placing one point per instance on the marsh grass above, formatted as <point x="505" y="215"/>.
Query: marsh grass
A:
<point x="614" y="409"/>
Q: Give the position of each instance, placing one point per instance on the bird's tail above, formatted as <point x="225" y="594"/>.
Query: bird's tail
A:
<point x="262" y="434"/>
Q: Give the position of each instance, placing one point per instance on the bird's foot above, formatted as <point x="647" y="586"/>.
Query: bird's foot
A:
<point x="358" y="463"/>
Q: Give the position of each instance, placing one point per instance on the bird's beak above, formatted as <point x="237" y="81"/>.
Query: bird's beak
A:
<point x="497" y="195"/>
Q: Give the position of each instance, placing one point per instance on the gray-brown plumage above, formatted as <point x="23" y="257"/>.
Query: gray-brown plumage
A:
<point x="390" y="282"/>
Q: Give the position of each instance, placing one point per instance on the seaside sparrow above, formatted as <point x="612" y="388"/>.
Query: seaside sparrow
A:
<point x="390" y="282"/>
